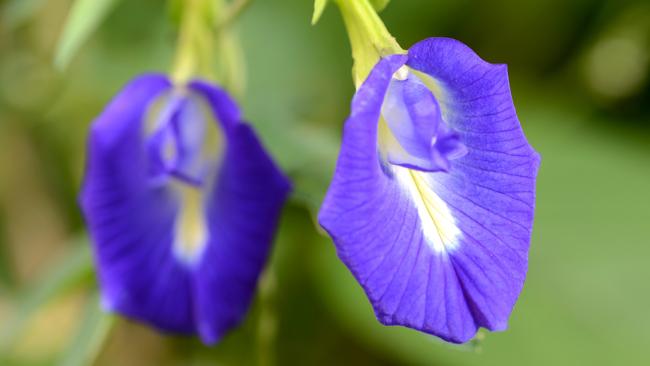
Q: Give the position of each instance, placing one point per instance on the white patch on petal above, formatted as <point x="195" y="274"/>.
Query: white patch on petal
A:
<point x="437" y="222"/>
<point x="190" y="230"/>
<point x="402" y="73"/>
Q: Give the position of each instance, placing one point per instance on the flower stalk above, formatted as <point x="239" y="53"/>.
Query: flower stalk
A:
<point x="208" y="45"/>
<point x="195" y="41"/>
<point x="369" y="38"/>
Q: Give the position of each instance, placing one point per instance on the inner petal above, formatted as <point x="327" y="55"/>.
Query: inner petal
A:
<point x="190" y="130"/>
<point x="182" y="139"/>
<point x="412" y="132"/>
<point x="185" y="146"/>
<point x="412" y="114"/>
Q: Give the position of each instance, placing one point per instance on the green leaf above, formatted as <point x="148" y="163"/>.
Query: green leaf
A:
<point x="83" y="19"/>
<point x="76" y="267"/>
<point x="93" y="331"/>
<point x="379" y="5"/>
<point x="319" y="7"/>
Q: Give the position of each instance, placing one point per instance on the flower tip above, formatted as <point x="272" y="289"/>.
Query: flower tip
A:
<point x="499" y="326"/>
<point x="446" y="335"/>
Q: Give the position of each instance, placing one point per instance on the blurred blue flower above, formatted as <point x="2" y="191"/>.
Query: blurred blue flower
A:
<point x="182" y="202"/>
<point x="431" y="204"/>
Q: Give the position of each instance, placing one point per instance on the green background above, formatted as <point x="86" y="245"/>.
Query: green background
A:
<point x="579" y="73"/>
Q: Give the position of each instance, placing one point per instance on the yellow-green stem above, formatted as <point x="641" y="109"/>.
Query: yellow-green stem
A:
<point x="229" y="58"/>
<point x="195" y="41"/>
<point x="208" y="45"/>
<point x="369" y="38"/>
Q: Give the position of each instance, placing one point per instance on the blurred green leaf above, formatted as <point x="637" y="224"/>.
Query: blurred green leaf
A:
<point x="312" y="165"/>
<point x="75" y="267"/>
<point x="83" y="19"/>
<point x="93" y="331"/>
<point x="319" y="8"/>
<point x="16" y="12"/>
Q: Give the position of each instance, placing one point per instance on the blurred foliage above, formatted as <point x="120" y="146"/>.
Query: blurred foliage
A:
<point x="580" y="77"/>
<point x="83" y="19"/>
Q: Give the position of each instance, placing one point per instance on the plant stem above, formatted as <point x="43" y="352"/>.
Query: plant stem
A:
<point x="208" y="46"/>
<point x="369" y="38"/>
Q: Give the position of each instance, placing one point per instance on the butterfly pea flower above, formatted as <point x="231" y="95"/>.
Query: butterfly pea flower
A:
<point x="431" y="203"/>
<point x="182" y="202"/>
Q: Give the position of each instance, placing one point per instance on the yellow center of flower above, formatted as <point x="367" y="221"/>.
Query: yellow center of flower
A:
<point x="191" y="230"/>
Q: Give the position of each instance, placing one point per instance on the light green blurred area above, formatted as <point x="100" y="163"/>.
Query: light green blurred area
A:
<point x="579" y="75"/>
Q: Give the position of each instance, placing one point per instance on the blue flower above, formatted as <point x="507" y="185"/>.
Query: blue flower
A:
<point x="182" y="203"/>
<point x="431" y="204"/>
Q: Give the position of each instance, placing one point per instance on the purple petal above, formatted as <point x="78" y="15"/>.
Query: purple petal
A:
<point x="441" y="252"/>
<point x="179" y="247"/>
<point x="243" y="212"/>
<point x="224" y="108"/>
<point x="378" y="233"/>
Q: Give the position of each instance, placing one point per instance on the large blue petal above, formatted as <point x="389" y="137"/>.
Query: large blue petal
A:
<point x="243" y="210"/>
<point x="378" y="232"/>
<point x="441" y="252"/>
<point x="189" y="277"/>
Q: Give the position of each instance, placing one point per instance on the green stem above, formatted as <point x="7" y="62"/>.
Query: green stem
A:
<point x="208" y="45"/>
<point x="194" y="50"/>
<point x="230" y="60"/>
<point x="369" y="38"/>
